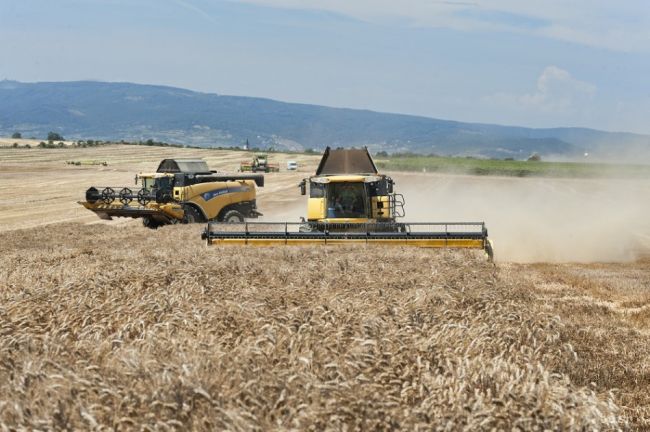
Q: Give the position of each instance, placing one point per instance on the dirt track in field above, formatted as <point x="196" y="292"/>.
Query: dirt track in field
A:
<point x="109" y="325"/>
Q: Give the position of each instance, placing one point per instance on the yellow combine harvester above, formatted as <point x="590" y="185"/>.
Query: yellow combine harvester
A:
<point x="350" y="202"/>
<point x="181" y="190"/>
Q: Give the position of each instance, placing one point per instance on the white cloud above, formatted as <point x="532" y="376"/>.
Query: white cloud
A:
<point x="557" y="99"/>
<point x="556" y="90"/>
<point x="619" y="26"/>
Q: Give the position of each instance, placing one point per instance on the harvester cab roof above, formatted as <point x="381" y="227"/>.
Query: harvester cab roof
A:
<point x="346" y="161"/>
<point x="195" y="166"/>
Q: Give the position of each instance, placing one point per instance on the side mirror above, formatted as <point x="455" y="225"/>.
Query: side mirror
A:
<point x="136" y="179"/>
<point x="303" y="187"/>
<point x="390" y="187"/>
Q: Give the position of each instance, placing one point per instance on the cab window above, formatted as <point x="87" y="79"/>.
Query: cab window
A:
<point x="163" y="183"/>
<point x="148" y="182"/>
<point x="316" y="190"/>
<point x="346" y="200"/>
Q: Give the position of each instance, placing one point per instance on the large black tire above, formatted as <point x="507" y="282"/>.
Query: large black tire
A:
<point x="150" y="223"/>
<point x="233" y="216"/>
<point x="191" y="215"/>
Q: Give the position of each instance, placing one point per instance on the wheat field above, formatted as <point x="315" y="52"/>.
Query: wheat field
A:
<point x="110" y="326"/>
<point x="120" y="328"/>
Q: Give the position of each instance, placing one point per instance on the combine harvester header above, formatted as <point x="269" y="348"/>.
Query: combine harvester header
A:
<point x="350" y="202"/>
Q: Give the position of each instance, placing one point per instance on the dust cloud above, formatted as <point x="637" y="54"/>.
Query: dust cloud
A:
<point x="539" y="219"/>
<point x="528" y="219"/>
<point x="288" y="211"/>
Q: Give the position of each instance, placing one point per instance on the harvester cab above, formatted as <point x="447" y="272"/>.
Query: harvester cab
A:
<point x="347" y="188"/>
<point x="350" y="202"/>
<point x="181" y="190"/>
<point x="260" y="162"/>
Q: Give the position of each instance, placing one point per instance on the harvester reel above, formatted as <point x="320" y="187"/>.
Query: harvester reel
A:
<point x="108" y="195"/>
<point x="92" y="195"/>
<point x="126" y="196"/>
<point x="143" y="196"/>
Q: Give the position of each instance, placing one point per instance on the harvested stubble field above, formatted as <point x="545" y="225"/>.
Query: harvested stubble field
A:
<point x="115" y="327"/>
<point x="38" y="187"/>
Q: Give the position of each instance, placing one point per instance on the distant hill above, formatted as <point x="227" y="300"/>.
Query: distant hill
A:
<point x="116" y="111"/>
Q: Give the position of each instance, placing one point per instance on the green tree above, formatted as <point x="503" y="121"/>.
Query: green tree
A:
<point x="53" y="136"/>
<point x="17" y="135"/>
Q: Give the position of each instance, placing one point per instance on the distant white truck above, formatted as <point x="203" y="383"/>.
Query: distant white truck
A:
<point x="292" y="165"/>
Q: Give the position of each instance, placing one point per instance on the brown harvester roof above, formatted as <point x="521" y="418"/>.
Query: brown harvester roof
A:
<point x="346" y="161"/>
<point x="183" y="165"/>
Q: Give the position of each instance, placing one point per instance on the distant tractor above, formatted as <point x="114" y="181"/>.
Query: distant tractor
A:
<point x="260" y="163"/>
<point x="86" y="162"/>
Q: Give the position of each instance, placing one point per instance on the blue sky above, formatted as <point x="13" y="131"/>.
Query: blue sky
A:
<point x="537" y="63"/>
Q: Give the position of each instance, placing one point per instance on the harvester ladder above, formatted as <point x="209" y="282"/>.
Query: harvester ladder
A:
<point x="396" y="205"/>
